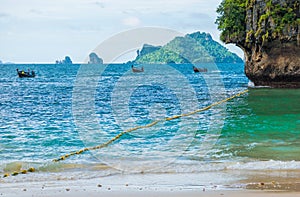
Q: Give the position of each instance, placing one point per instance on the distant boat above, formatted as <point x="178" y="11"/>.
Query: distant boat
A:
<point x="25" y="74"/>
<point x="137" y="70"/>
<point x="196" y="70"/>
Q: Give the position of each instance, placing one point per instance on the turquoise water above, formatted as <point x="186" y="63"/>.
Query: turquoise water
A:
<point x="41" y="119"/>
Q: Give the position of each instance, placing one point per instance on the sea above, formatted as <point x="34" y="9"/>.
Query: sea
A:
<point x="250" y="138"/>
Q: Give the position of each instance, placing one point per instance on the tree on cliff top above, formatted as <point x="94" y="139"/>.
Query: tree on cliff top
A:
<point x="231" y="19"/>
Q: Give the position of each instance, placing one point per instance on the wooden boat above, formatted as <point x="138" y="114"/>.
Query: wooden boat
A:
<point x="196" y="70"/>
<point x="137" y="70"/>
<point x="23" y="73"/>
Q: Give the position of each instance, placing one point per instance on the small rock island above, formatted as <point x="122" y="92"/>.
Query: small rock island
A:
<point x="268" y="31"/>
<point x="94" y="59"/>
<point x="67" y="60"/>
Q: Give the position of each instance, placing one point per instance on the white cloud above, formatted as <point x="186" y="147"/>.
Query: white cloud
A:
<point x="77" y="26"/>
<point x="131" y="21"/>
<point x="2" y="15"/>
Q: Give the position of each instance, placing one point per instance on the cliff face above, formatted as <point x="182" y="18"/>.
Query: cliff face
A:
<point x="272" y="53"/>
<point x="270" y="40"/>
<point x="147" y="49"/>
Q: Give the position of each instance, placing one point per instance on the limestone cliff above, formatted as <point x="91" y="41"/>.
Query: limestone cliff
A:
<point x="268" y="31"/>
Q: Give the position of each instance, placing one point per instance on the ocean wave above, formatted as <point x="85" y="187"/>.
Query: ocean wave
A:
<point x="74" y="171"/>
<point x="266" y="165"/>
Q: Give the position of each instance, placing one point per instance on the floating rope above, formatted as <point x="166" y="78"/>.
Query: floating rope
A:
<point x="105" y="144"/>
<point x="15" y="173"/>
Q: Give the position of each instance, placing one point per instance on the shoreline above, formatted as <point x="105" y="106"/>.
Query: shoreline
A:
<point x="147" y="185"/>
<point x="91" y="189"/>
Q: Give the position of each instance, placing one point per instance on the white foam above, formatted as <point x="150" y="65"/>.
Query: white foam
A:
<point x="252" y="85"/>
<point x="266" y="165"/>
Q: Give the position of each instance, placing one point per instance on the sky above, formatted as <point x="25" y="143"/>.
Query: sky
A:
<point x="42" y="31"/>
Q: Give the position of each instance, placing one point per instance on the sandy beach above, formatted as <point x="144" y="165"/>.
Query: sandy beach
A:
<point x="142" y="185"/>
<point x="92" y="189"/>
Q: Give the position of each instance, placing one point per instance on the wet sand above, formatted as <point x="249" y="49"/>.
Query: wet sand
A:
<point x="42" y="189"/>
<point x="152" y="194"/>
<point x="142" y="185"/>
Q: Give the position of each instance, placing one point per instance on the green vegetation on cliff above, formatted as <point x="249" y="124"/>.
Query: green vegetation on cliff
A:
<point x="231" y="20"/>
<point x="240" y="22"/>
<point x="192" y="48"/>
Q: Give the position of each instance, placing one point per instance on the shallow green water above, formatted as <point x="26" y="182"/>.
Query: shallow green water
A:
<point x="265" y="125"/>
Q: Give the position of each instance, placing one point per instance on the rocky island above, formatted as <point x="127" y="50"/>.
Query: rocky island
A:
<point x="268" y="31"/>
<point x="192" y="48"/>
<point x="94" y="59"/>
<point x="67" y="60"/>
